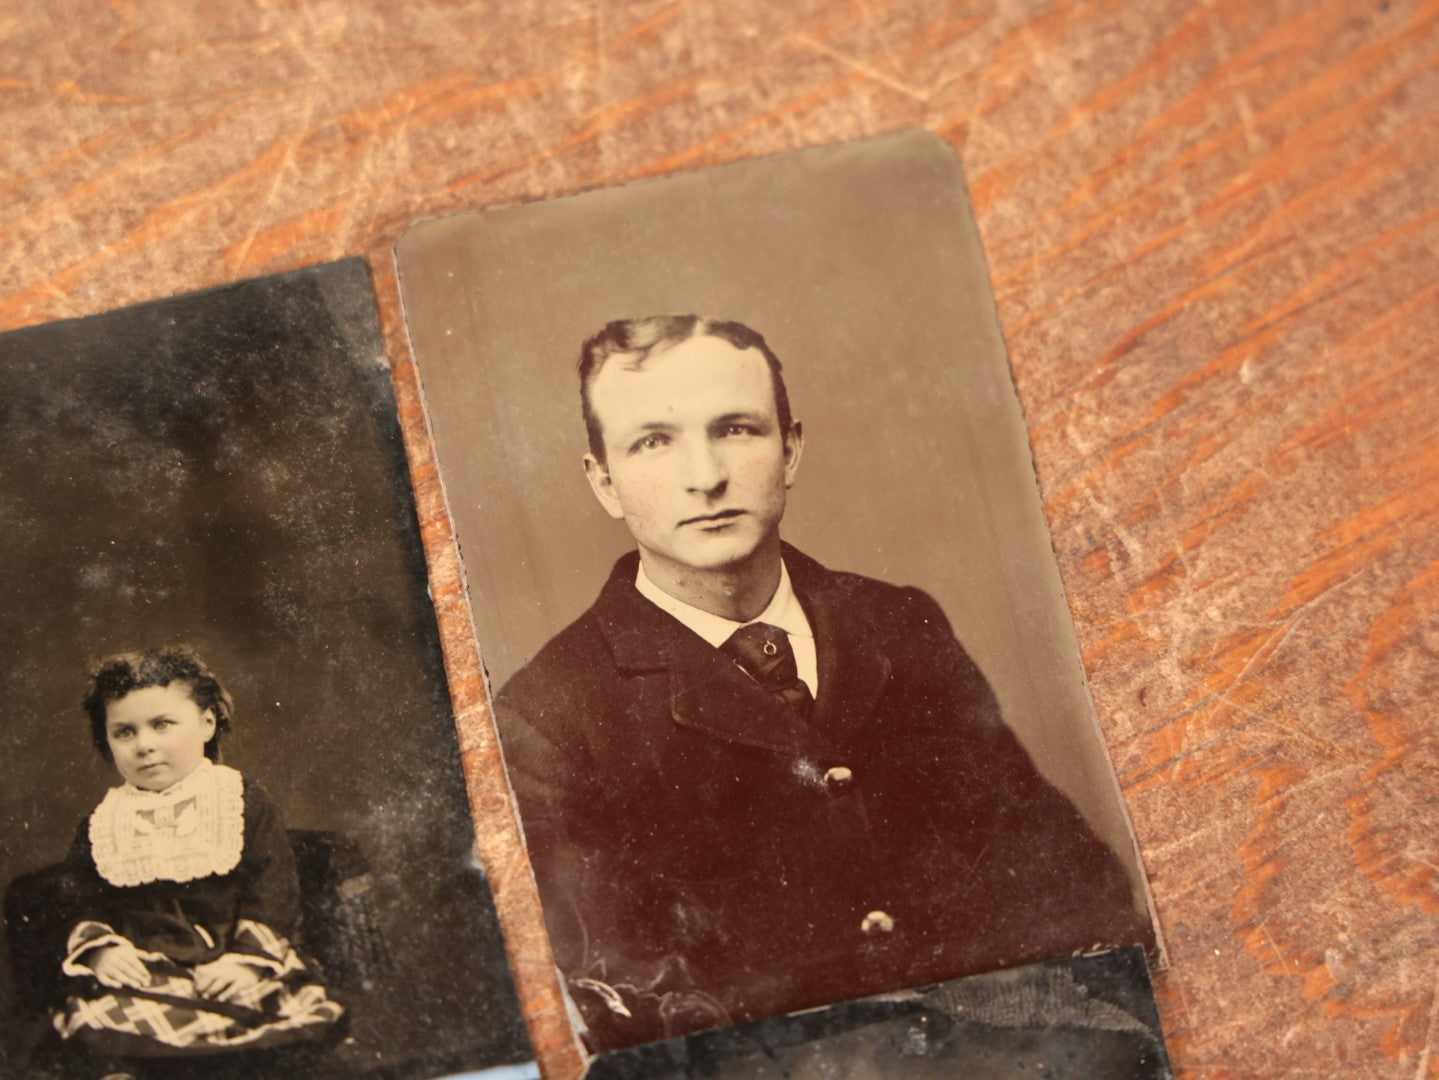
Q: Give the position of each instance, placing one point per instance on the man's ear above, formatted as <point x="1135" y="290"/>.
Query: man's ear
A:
<point x="793" y="448"/>
<point x="598" y="474"/>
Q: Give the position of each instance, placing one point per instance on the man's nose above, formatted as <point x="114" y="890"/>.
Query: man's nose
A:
<point x="705" y="469"/>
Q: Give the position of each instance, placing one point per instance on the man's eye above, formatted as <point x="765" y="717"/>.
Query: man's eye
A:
<point x="650" y="442"/>
<point x="732" y="430"/>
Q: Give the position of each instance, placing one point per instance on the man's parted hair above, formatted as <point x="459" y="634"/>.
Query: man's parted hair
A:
<point x="115" y="676"/>
<point x="638" y="338"/>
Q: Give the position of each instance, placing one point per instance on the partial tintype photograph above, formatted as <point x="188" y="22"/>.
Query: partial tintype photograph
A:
<point x="234" y="838"/>
<point x="783" y="674"/>
<point x="1090" y="1017"/>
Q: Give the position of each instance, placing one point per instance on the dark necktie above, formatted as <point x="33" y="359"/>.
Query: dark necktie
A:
<point x="763" y="652"/>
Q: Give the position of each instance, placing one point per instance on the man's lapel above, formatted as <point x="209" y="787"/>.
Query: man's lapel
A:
<point x="710" y="693"/>
<point x="707" y="691"/>
<point x="853" y="669"/>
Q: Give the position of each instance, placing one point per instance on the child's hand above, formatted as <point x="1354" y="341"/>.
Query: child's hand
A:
<point x="224" y="979"/>
<point x="119" y="966"/>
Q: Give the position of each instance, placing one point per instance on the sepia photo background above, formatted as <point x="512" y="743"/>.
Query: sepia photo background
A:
<point x="861" y="266"/>
<point x="225" y="469"/>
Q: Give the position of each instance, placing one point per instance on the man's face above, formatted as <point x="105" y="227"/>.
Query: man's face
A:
<point x="695" y="461"/>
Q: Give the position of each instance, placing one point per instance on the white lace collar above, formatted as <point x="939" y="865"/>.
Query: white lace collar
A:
<point x="192" y="829"/>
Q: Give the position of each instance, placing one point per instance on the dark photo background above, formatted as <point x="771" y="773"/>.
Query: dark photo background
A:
<point x="226" y="469"/>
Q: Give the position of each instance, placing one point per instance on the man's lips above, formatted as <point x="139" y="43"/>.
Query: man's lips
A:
<point x="719" y="516"/>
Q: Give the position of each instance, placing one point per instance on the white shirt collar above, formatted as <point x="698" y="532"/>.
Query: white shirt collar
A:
<point x="783" y="610"/>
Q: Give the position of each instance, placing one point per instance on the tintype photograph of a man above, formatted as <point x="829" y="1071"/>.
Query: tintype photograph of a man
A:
<point x="752" y="784"/>
<point x="761" y="772"/>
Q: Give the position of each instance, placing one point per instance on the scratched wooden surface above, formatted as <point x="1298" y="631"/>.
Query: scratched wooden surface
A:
<point x="1214" y="233"/>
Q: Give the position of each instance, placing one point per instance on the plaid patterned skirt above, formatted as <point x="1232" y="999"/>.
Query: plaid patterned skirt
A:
<point x="169" y="1016"/>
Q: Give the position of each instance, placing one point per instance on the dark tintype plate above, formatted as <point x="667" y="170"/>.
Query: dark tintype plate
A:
<point x="799" y="413"/>
<point x="1081" y="1018"/>
<point x="225" y="471"/>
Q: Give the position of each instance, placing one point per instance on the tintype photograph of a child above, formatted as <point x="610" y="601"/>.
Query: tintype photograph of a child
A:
<point x="177" y="908"/>
<point x="234" y="837"/>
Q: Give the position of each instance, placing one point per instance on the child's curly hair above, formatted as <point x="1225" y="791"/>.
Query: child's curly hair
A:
<point x="115" y="676"/>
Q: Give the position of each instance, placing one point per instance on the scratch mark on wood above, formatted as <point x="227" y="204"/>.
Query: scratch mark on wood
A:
<point x="863" y="68"/>
<point x="1265" y="652"/>
<point x="399" y="142"/>
<point x="301" y="132"/>
<point x="1423" y="1070"/>
<point x="1279" y="956"/>
<point x="601" y="143"/>
<point x="876" y="25"/>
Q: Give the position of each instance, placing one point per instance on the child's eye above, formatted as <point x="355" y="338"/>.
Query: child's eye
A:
<point x="164" y="723"/>
<point x="122" y="733"/>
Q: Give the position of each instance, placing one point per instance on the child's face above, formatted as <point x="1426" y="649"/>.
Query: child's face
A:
<point x="157" y="735"/>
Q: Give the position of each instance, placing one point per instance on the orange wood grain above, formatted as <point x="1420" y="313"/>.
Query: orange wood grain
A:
<point x="1212" y="230"/>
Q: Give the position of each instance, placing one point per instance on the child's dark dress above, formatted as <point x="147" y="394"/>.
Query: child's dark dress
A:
<point x="188" y="875"/>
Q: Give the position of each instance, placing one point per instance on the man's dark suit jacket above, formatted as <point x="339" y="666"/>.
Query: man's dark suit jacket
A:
<point x="703" y="859"/>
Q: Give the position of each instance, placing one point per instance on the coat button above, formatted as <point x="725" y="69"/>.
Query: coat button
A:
<point x="877" y="922"/>
<point x="838" y="776"/>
